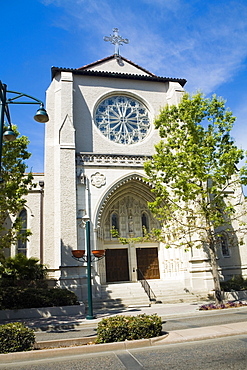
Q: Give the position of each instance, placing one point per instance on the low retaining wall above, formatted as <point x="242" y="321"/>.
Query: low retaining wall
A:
<point x="44" y="312"/>
<point x="240" y="295"/>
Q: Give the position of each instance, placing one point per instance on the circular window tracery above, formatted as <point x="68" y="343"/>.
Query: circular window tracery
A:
<point x="122" y="119"/>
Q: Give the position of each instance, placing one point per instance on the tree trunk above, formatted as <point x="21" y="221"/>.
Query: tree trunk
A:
<point x="215" y="273"/>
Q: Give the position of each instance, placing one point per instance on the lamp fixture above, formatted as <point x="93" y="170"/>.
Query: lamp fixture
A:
<point x="9" y="134"/>
<point x="41" y="115"/>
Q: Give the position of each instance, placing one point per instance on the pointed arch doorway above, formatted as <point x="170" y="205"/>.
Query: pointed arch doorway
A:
<point x="126" y="209"/>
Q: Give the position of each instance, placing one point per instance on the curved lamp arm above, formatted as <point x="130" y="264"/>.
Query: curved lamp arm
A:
<point x="40" y="116"/>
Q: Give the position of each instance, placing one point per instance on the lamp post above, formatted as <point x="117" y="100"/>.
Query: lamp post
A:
<point x="12" y="97"/>
<point x="96" y="255"/>
<point x="89" y="273"/>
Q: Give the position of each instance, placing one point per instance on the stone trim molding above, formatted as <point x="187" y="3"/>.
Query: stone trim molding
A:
<point x="92" y="159"/>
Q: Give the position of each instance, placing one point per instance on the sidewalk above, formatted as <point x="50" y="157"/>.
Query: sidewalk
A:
<point x="164" y="310"/>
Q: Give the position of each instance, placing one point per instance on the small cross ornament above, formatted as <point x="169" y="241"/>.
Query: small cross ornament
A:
<point x="116" y="40"/>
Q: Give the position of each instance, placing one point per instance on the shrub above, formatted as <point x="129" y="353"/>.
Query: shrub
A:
<point x="17" y="298"/>
<point x="22" y="271"/>
<point x="120" y="328"/>
<point x="63" y="297"/>
<point x="235" y="283"/>
<point x="16" y="337"/>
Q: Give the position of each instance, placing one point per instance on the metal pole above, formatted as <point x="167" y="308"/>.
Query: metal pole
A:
<point x="3" y="89"/>
<point x="41" y="240"/>
<point x="89" y="282"/>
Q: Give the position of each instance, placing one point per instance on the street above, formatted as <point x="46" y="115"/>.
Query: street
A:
<point x="221" y="353"/>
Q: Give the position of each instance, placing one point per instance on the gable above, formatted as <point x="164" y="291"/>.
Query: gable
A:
<point x="116" y="64"/>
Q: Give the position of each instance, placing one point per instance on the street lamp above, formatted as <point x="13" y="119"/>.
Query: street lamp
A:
<point x="13" y="98"/>
<point x="79" y="256"/>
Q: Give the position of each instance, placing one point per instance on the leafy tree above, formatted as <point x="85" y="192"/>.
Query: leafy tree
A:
<point x="197" y="186"/>
<point x="13" y="188"/>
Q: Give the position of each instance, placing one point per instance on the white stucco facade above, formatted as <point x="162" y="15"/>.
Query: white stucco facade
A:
<point x="87" y="173"/>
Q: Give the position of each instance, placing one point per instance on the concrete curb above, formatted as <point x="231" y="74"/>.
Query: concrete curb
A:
<point x="78" y="350"/>
<point x="48" y="344"/>
<point x="209" y="332"/>
<point x="83" y="341"/>
<point x="178" y="336"/>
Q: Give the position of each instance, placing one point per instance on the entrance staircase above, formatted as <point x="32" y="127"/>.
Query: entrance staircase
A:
<point x="120" y="295"/>
<point x="174" y="292"/>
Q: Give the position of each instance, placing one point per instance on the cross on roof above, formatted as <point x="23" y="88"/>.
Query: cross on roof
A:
<point x="116" y="40"/>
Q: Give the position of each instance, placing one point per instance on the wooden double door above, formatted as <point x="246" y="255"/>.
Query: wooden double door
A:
<point x="117" y="264"/>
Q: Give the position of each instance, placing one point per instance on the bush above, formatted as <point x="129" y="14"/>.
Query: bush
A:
<point x="23" y="272"/>
<point x="17" y="298"/>
<point x="63" y="297"/>
<point x="235" y="283"/>
<point x="16" y="337"/>
<point x="120" y="328"/>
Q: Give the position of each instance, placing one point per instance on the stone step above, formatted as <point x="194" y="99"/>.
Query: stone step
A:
<point x="120" y="295"/>
<point x="113" y="303"/>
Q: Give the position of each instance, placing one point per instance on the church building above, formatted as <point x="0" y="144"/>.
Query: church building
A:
<point x="99" y="134"/>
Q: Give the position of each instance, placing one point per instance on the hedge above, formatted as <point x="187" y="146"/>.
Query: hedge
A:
<point x="235" y="283"/>
<point x="16" y="337"/>
<point x="120" y="328"/>
<point x="17" y="298"/>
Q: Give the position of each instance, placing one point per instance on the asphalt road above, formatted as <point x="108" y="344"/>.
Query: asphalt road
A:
<point x="200" y="319"/>
<point x="222" y="353"/>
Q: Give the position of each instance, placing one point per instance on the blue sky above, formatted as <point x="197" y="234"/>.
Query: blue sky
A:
<point x="203" y="41"/>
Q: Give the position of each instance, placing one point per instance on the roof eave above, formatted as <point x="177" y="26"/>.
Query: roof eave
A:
<point x="55" y="70"/>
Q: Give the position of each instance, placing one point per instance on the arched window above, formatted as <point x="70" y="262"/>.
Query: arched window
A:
<point x="145" y="223"/>
<point x="22" y="244"/>
<point x="224" y="246"/>
<point x="114" y="222"/>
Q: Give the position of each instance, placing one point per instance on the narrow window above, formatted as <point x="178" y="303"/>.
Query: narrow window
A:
<point x="22" y="244"/>
<point x="224" y="246"/>
<point x="145" y="223"/>
<point x="114" y="222"/>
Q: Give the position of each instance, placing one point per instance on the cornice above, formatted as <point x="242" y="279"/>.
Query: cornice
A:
<point x="93" y="159"/>
<point x="55" y="70"/>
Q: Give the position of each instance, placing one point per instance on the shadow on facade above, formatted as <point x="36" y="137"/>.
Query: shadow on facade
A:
<point x="84" y="133"/>
<point x="74" y="277"/>
<point x="228" y="255"/>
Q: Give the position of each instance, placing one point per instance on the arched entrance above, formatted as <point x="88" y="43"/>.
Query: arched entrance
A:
<point x="126" y="210"/>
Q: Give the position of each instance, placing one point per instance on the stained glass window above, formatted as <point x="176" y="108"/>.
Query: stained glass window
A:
<point x="122" y="119"/>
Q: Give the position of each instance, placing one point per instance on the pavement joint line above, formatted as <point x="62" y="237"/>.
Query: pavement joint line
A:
<point x="173" y="337"/>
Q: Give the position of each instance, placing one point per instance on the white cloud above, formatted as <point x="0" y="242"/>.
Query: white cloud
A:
<point x="204" y="42"/>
